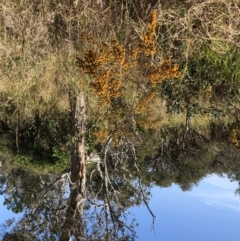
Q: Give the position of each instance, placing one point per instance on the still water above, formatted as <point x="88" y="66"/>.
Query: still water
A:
<point x="184" y="188"/>
<point x="210" y="211"/>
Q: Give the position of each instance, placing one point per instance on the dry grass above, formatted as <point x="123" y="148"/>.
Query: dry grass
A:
<point x="39" y="42"/>
<point x="185" y="29"/>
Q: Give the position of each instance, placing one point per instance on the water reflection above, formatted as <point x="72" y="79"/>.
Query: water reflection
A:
<point x="51" y="206"/>
<point x="211" y="209"/>
<point x="218" y="193"/>
<point x="209" y="212"/>
<point x="121" y="183"/>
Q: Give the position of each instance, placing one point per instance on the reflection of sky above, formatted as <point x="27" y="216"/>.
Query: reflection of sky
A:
<point x="6" y="214"/>
<point x="211" y="211"/>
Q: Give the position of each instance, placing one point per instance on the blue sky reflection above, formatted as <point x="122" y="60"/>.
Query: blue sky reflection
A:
<point x="211" y="211"/>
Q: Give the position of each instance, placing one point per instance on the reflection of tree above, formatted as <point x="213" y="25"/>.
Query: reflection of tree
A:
<point x="55" y="211"/>
<point x="42" y="205"/>
<point x="51" y="213"/>
<point x="185" y="160"/>
<point x="227" y="162"/>
<point x="56" y="208"/>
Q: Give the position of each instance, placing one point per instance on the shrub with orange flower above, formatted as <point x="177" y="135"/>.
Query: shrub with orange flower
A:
<point x="119" y="72"/>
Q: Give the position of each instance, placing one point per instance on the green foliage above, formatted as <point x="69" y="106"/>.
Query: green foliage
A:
<point x="61" y="155"/>
<point x="187" y="97"/>
<point x="57" y="164"/>
<point x="14" y="203"/>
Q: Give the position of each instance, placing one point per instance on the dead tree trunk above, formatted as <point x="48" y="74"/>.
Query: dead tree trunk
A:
<point x="73" y="221"/>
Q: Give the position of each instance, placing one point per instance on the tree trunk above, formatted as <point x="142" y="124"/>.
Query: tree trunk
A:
<point x="73" y="220"/>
